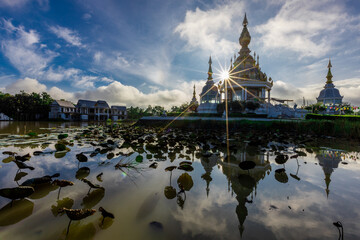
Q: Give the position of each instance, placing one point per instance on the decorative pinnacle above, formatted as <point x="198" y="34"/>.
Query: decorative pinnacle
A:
<point x="210" y="72"/>
<point x="329" y="74"/>
<point x="257" y="64"/>
<point x="194" y="92"/>
<point x="329" y="65"/>
<point x="245" y="21"/>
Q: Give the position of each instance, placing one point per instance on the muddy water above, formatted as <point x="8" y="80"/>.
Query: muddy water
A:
<point x="219" y="200"/>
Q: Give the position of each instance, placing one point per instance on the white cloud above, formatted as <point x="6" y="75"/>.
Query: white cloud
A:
<point x="67" y="34"/>
<point x="61" y="74"/>
<point x="118" y="94"/>
<point x="207" y="29"/>
<point x="27" y="84"/>
<point x="24" y="52"/>
<point x="309" y="29"/>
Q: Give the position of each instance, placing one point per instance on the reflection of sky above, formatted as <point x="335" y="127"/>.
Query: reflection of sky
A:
<point x="203" y="217"/>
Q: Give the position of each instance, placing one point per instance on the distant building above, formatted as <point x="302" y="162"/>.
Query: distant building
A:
<point x="118" y="112"/>
<point x="86" y="110"/>
<point x="209" y="97"/>
<point x="60" y="109"/>
<point x="329" y="95"/>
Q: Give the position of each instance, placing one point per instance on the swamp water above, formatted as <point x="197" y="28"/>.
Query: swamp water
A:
<point x="297" y="189"/>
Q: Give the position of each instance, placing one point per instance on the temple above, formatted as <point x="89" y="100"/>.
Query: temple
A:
<point x="246" y="80"/>
<point x="329" y="95"/>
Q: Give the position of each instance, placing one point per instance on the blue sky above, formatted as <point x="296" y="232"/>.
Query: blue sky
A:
<point x="152" y="52"/>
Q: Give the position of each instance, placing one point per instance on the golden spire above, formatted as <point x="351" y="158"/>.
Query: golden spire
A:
<point x="329" y="75"/>
<point x="244" y="39"/>
<point x="245" y="21"/>
<point x="194" y="94"/>
<point x="210" y="72"/>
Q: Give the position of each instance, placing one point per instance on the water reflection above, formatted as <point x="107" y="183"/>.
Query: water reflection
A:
<point x="328" y="160"/>
<point x="212" y="196"/>
<point x="244" y="183"/>
<point x="15" y="211"/>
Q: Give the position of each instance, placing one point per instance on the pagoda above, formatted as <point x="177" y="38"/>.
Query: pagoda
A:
<point x="329" y="95"/>
<point x="209" y="97"/>
<point x="247" y="81"/>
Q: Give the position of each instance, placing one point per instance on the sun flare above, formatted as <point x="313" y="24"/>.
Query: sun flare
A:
<point x="224" y="75"/>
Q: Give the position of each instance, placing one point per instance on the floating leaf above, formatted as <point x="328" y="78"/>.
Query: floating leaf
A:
<point x="139" y="159"/>
<point x="81" y="157"/>
<point x="153" y="165"/>
<point x="281" y="159"/>
<point x="19" y="176"/>
<point x="110" y="155"/>
<point x="62" y="136"/>
<point x="60" y="147"/>
<point x="82" y="173"/>
<point x="185" y="163"/>
<point x="185" y="180"/>
<point x="60" y="154"/>
<point x="170" y="168"/>
<point x="8" y="159"/>
<point x="170" y="192"/>
<point x="186" y="167"/>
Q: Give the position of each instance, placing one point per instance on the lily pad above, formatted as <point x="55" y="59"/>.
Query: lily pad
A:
<point x="139" y="159"/>
<point x="186" y="167"/>
<point x="60" y="147"/>
<point x="19" y="176"/>
<point x="185" y="180"/>
<point x="170" y="192"/>
<point x="8" y="159"/>
<point x="170" y="168"/>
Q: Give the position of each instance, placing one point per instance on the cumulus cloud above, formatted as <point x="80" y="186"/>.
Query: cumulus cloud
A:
<point x="207" y="29"/>
<point x="309" y="29"/>
<point x="67" y="34"/>
<point x="115" y="93"/>
<point x="118" y="94"/>
<point x="27" y="84"/>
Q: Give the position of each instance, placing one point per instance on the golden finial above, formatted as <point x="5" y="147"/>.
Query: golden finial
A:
<point x="245" y="21"/>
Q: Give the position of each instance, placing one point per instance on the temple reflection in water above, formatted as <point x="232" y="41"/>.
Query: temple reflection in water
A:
<point x="328" y="160"/>
<point x="244" y="183"/>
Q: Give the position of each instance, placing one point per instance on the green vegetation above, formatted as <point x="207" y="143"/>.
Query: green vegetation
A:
<point x="24" y="106"/>
<point x="347" y="129"/>
<point x="332" y="117"/>
<point x="137" y="112"/>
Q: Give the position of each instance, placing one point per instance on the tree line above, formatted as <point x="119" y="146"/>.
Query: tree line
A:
<point x="24" y="106"/>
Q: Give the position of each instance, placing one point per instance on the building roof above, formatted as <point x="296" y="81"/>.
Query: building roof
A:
<point x="121" y="108"/>
<point x="101" y="104"/>
<point x="329" y="92"/>
<point x="62" y="103"/>
<point x="86" y="103"/>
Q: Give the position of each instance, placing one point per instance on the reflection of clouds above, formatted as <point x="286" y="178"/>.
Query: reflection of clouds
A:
<point x="198" y="218"/>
